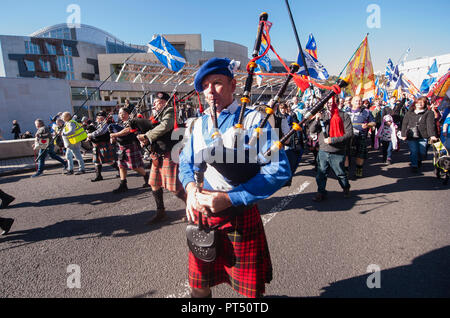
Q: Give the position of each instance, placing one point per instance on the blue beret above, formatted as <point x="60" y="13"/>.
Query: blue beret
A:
<point x="213" y="66"/>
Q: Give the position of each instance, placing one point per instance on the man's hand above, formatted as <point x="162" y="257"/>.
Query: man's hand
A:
<point x="143" y="140"/>
<point x="213" y="201"/>
<point x="191" y="202"/>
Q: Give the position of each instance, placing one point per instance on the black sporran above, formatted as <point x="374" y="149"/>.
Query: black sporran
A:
<point x="202" y="241"/>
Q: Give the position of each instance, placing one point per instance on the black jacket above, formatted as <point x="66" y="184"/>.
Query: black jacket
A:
<point x="427" y="128"/>
<point x="338" y="144"/>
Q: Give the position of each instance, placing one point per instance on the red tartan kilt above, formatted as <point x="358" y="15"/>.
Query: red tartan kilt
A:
<point x="243" y="259"/>
<point x="164" y="173"/>
<point x="103" y="152"/>
<point x="133" y="158"/>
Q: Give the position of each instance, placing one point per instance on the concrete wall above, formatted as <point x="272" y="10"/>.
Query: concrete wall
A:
<point x="26" y="99"/>
<point x="16" y="148"/>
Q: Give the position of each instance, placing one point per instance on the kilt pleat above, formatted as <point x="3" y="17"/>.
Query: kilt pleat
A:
<point x="133" y="156"/>
<point x="243" y="259"/>
<point x="103" y="152"/>
<point x="164" y="173"/>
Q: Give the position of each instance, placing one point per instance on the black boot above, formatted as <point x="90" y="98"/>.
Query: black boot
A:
<point x="146" y="177"/>
<point x="122" y="187"/>
<point x="6" y="199"/>
<point x="98" y="172"/>
<point x="5" y="225"/>
<point x="160" y="210"/>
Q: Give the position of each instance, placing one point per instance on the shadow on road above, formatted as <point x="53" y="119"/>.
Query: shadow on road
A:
<point x="111" y="226"/>
<point x="428" y="276"/>
<point x="92" y="199"/>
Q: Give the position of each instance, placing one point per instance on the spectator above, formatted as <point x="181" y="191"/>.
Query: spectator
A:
<point x="73" y="133"/>
<point x="334" y="128"/>
<point x="15" y="129"/>
<point x="387" y="136"/>
<point x="43" y="144"/>
<point x="362" y="121"/>
<point x="418" y="125"/>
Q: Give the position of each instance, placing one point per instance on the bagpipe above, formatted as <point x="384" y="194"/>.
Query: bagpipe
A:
<point x="251" y="159"/>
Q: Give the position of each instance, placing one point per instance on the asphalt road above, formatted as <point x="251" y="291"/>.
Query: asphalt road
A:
<point x="395" y="222"/>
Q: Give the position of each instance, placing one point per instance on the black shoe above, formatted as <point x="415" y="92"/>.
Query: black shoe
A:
<point x="80" y="172"/>
<point x="122" y="188"/>
<point x="6" y="226"/>
<point x="6" y="201"/>
<point x="160" y="216"/>
<point x="98" y="178"/>
<point x="146" y="177"/>
<point x="414" y="169"/>
<point x="68" y="172"/>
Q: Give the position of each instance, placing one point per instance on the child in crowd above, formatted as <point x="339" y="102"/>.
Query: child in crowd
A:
<point x="387" y="137"/>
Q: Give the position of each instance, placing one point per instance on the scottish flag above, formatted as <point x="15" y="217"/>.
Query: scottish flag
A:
<point x="433" y="69"/>
<point x="389" y="69"/>
<point x="426" y="84"/>
<point x="166" y="53"/>
<point x="265" y="60"/>
<point x="315" y="68"/>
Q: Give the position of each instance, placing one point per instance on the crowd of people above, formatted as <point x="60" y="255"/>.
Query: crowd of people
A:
<point x="339" y="136"/>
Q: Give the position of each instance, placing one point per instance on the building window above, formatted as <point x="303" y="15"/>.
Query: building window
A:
<point x="31" y="48"/>
<point x="30" y="65"/>
<point x="45" y="65"/>
<point x="65" y="64"/>
<point x="67" y="50"/>
<point x="51" y="49"/>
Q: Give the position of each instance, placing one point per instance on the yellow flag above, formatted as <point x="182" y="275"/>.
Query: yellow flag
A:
<point x="360" y="76"/>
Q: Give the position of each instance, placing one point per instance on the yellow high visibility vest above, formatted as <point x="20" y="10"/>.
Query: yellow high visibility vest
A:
<point x="79" y="134"/>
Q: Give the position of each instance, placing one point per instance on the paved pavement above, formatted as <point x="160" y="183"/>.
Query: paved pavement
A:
<point x="27" y="164"/>
<point x="395" y="222"/>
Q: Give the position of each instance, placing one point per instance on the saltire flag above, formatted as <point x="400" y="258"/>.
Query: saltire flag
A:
<point x="385" y="95"/>
<point x="315" y="68"/>
<point x="166" y="53"/>
<point x="360" y="76"/>
<point x="389" y="69"/>
<point x="426" y="84"/>
<point x="265" y="60"/>
<point x="259" y="78"/>
<point x="311" y="46"/>
<point x="433" y="69"/>
<point x="406" y="85"/>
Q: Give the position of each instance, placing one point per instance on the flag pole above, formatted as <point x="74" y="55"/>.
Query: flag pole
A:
<point x="352" y="56"/>
<point x="299" y="46"/>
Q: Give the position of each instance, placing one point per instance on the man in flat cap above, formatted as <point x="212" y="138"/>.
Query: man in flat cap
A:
<point x="243" y="260"/>
<point x="164" y="171"/>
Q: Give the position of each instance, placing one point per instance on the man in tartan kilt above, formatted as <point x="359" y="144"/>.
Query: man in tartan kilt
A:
<point x="103" y="151"/>
<point x="243" y="259"/>
<point x="130" y="156"/>
<point x="164" y="171"/>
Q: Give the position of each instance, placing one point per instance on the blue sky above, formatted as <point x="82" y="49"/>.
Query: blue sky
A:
<point x="338" y="26"/>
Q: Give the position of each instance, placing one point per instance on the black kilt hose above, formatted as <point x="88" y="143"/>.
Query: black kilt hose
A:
<point x="243" y="259"/>
<point x="103" y="152"/>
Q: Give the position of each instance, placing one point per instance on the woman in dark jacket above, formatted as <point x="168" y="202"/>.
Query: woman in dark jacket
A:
<point x="418" y="126"/>
<point x="16" y="129"/>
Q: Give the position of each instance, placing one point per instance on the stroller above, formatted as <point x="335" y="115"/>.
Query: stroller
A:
<point x="441" y="161"/>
